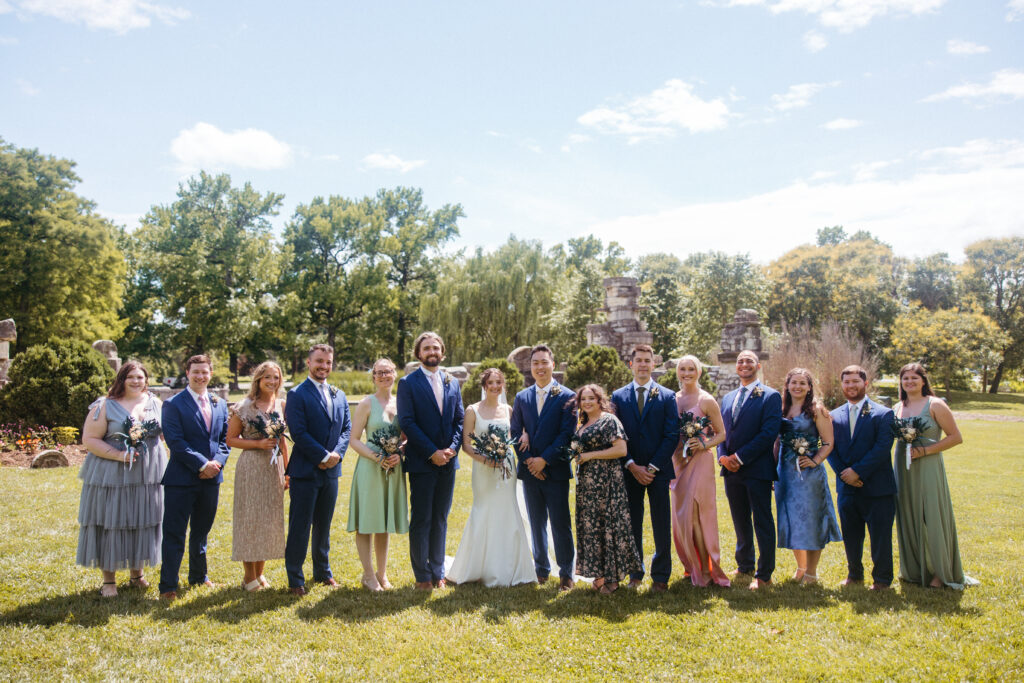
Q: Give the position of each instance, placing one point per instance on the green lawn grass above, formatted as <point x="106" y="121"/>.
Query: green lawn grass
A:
<point x="53" y="624"/>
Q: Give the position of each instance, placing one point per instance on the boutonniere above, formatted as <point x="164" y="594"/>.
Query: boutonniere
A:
<point x="555" y="390"/>
<point x="865" y="409"/>
<point x="757" y="392"/>
<point x="655" y="391"/>
<point x="446" y="378"/>
<point x="213" y="400"/>
<point x="334" y="392"/>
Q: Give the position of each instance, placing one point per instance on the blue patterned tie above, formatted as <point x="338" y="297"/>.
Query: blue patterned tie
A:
<point x="739" y="403"/>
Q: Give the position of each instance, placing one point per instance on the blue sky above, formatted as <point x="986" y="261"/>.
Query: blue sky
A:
<point x="740" y="125"/>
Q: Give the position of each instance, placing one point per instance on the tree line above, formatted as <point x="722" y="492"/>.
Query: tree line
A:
<point x="206" y="273"/>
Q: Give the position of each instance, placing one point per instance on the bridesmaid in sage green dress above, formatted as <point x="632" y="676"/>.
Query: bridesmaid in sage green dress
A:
<point x="925" y="526"/>
<point x="377" y="501"/>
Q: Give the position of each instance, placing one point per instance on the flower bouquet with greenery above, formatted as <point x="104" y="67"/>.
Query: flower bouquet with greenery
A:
<point x="134" y="434"/>
<point x="387" y="441"/>
<point x="270" y="427"/>
<point x="497" y="448"/>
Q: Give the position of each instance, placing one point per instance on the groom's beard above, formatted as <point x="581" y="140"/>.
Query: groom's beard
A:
<point x="431" y="361"/>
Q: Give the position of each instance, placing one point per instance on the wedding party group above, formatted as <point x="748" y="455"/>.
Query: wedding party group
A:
<point x="151" y="480"/>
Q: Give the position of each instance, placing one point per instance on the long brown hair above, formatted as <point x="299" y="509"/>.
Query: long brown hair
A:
<point x="117" y="388"/>
<point x="811" y="403"/>
<point x="261" y="371"/>
<point x="602" y="400"/>
<point x="917" y="369"/>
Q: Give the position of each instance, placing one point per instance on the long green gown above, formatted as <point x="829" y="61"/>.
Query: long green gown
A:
<point x="377" y="501"/>
<point x="925" y="526"/>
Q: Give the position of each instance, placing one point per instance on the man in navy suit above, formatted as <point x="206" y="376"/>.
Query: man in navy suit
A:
<point x="195" y="426"/>
<point x="320" y="427"/>
<point x="753" y="417"/>
<point x="543" y="422"/>
<point x="648" y="413"/>
<point x="865" y="483"/>
<point x="430" y="412"/>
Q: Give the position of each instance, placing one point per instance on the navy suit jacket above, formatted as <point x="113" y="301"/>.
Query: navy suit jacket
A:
<point x="549" y="432"/>
<point x="651" y="438"/>
<point x="314" y="435"/>
<point x="426" y="428"/>
<point x="868" y="452"/>
<point x="190" y="443"/>
<point x="752" y="436"/>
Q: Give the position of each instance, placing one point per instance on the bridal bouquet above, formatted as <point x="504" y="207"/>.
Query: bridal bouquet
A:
<point x="497" y="448"/>
<point x="909" y="431"/>
<point x="134" y="434"/>
<point x="271" y="428"/>
<point x="799" y="444"/>
<point x="690" y="426"/>
<point x="573" y="450"/>
<point x="388" y="441"/>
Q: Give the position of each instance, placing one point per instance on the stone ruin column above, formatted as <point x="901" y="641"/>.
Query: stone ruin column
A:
<point x="742" y="334"/>
<point x="8" y="334"/>
<point x="109" y="351"/>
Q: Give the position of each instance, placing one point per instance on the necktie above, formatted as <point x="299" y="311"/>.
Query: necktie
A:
<point x="641" y="402"/>
<point x="204" y="407"/>
<point x="435" y="381"/>
<point x="541" y="396"/>
<point x="327" y="401"/>
<point x="739" y="403"/>
<point x="853" y="418"/>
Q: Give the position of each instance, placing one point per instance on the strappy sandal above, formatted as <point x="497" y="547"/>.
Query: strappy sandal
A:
<point x="801" y="572"/>
<point x="253" y="585"/>
<point x="609" y="587"/>
<point x="263" y="581"/>
<point x="808" y="579"/>
<point x="111" y="595"/>
<point x="138" y="581"/>
<point x="383" y="581"/>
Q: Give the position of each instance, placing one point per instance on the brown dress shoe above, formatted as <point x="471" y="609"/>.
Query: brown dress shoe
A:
<point x="297" y="590"/>
<point x="440" y="583"/>
<point x="659" y="587"/>
<point x="424" y="586"/>
<point x="169" y="596"/>
<point x="634" y="583"/>
<point x="542" y="579"/>
<point x="758" y="584"/>
<point x="330" y="582"/>
<point x="566" y="584"/>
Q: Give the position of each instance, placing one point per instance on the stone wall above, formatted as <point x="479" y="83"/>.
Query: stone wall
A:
<point x="623" y="329"/>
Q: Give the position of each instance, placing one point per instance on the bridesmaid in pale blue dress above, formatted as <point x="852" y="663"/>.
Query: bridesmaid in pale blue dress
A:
<point x="806" y="516"/>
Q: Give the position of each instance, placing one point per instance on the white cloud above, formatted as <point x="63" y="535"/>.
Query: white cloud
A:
<point x="391" y="162"/>
<point x="661" y="113"/>
<point x="27" y="88"/>
<point x="204" y="146"/>
<point x="815" y="41"/>
<point x="869" y="171"/>
<point x="844" y="15"/>
<point x="5" y="7"/>
<point x="1014" y="10"/>
<point x="119" y="16"/>
<point x="916" y="214"/>
<point x="964" y="47"/>
<point x="496" y="134"/>
<point x="1005" y="83"/>
<point x="798" y="95"/>
<point x="842" y="124"/>
<point x="976" y="154"/>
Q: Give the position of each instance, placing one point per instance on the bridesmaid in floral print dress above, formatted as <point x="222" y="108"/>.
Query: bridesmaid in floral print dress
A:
<point x="605" y="546"/>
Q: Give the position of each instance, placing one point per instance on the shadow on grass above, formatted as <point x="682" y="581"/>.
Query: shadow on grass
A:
<point x="85" y="608"/>
<point x="358" y="604"/>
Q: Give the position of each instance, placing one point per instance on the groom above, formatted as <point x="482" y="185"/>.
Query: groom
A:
<point x="195" y="425"/>
<point x="430" y="412"/>
<point x="649" y="415"/>
<point x="543" y="424"/>
<point x="865" y="483"/>
<point x="752" y="416"/>
<point x="318" y="421"/>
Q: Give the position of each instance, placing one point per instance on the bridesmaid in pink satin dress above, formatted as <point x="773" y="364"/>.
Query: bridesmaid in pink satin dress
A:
<point x="694" y="513"/>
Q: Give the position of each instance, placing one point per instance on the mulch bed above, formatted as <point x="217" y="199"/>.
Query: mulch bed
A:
<point x="75" y="455"/>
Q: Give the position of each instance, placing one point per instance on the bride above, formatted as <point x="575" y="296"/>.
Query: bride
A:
<point x="494" y="549"/>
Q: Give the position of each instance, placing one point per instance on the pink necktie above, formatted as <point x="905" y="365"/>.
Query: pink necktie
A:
<point x="204" y="406"/>
<point x="435" y="379"/>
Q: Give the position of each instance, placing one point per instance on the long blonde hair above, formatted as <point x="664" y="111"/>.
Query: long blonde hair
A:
<point x="261" y="370"/>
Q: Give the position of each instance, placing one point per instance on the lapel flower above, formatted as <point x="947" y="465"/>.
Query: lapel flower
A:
<point x="655" y="391"/>
<point x="757" y="392"/>
<point x="334" y="392"/>
<point x="213" y="400"/>
<point x="446" y="378"/>
<point x="865" y="409"/>
<point x="555" y="390"/>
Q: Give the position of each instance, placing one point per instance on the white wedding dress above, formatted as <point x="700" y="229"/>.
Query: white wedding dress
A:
<point x="494" y="548"/>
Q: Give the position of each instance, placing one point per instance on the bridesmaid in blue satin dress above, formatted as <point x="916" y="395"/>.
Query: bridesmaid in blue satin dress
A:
<point x="806" y="516"/>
